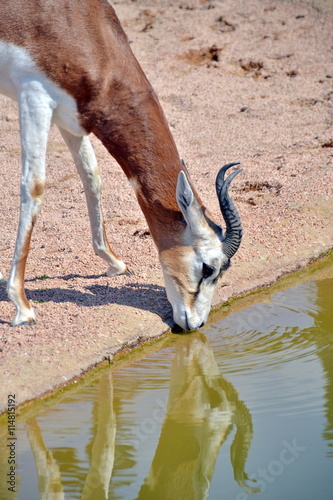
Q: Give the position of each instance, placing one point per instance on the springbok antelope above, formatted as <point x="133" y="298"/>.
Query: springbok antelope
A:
<point x="71" y="63"/>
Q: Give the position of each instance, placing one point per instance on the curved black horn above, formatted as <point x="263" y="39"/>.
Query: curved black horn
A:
<point x="233" y="235"/>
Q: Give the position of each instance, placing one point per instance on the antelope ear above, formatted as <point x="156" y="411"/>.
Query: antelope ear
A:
<point x="189" y="206"/>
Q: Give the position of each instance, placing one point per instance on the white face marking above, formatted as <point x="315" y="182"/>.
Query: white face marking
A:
<point x="17" y="67"/>
<point x="189" y="284"/>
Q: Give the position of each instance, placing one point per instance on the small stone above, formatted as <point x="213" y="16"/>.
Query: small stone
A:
<point x="10" y="118"/>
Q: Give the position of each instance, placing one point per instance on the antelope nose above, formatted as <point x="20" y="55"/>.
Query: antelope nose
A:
<point x="191" y="326"/>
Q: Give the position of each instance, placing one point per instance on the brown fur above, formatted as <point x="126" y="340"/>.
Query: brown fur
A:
<point x="87" y="54"/>
<point x="20" y="271"/>
<point x="37" y="189"/>
<point x="173" y="258"/>
<point x="107" y="242"/>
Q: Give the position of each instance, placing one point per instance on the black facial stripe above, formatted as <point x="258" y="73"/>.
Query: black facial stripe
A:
<point x="210" y="271"/>
<point x="196" y="293"/>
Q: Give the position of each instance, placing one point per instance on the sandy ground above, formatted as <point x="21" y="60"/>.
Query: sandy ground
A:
<point x="247" y="81"/>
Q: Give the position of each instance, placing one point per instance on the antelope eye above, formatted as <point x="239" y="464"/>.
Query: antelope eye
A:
<point x="207" y="271"/>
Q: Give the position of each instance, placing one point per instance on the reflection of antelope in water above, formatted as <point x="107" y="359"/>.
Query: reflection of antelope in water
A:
<point x="49" y="479"/>
<point x="96" y="485"/>
<point x="201" y="412"/>
<point x="202" y="408"/>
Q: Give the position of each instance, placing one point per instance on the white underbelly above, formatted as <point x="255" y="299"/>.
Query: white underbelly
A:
<point x="17" y="67"/>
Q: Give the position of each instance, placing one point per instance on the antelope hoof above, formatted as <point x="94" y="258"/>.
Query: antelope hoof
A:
<point x="24" y="318"/>
<point x="3" y="282"/>
<point x="117" y="270"/>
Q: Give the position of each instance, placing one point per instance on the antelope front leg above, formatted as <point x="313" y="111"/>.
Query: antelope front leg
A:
<point x="35" y="112"/>
<point x="86" y="164"/>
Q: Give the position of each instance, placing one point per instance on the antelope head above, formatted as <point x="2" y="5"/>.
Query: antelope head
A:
<point x="192" y="267"/>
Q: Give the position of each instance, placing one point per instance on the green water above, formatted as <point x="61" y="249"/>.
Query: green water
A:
<point x="243" y="409"/>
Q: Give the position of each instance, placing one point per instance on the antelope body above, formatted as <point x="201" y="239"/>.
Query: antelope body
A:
<point x="69" y="62"/>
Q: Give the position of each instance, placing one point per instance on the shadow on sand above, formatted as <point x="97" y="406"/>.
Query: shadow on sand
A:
<point x="146" y="297"/>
